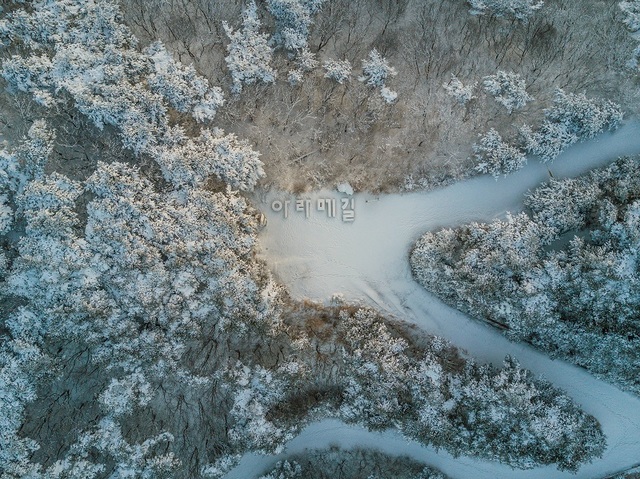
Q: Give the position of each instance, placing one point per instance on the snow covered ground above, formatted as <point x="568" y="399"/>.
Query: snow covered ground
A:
<point x="367" y="261"/>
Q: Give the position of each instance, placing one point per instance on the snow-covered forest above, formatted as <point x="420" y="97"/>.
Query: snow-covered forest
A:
<point x="563" y="275"/>
<point x="141" y="333"/>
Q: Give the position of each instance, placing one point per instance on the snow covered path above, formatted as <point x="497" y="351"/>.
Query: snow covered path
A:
<point x="367" y="261"/>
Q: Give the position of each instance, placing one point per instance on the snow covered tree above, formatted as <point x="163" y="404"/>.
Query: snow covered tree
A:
<point x="220" y="467"/>
<point x="508" y="89"/>
<point x="99" y="67"/>
<point x="572" y="117"/>
<point x="191" y="161"/>
<point x="122" y="395"/>
<point x="30" y="75"/>
<point x="163" y="268"/>
<point x="183" y="88"/>
<point x="631" y="10"/>
<point x="48" y="267"/>
<point x="152" y="272"/>
<point x="497" y="157"/>
<point x="563" y="205"/>
<point x="494" y="257"/>
<point x="138" y="114"/>
<point x="35" y="149"/>
<point x="8" y="184"/>
<point x="293" y="21"/>
<point x="520" y="10"/>
<point x="586" y="117"/>
<point x="48" y="206"/>
<point x="337" y="70"/>
<point x="376" y="69"/>
<point x="250" y="55"/>
<point x="488" y="399"/>
<point x="26" y="162"/>
<point x="19" y="374"/>
<point x="6" y="214"/>
<point x="131" y="282"/>
<point x="295" y="77"/>
<point x="354" y="463"/>
<point x="388" y="95"/>
<point x="305" y="62"/>
<point x="548" y="141"/>
<point x="255" y="391"/>
<point x="284" y="470"/>
<point x="139" y="460"/>
<point x="52" y="258"/>
<point x="378" y="379"/>
<point x="143" y="277"/>
<point x="463" y="94"/>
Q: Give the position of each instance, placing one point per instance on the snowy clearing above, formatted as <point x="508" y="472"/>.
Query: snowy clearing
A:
<point x="367" y="261"/>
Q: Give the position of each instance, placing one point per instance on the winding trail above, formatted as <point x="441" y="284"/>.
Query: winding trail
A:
<point x="367" y="261"/>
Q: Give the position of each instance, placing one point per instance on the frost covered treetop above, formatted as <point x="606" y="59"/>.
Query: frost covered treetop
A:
<point x="338" y="70"/>
<point x="631" y="10"/>
<point x="376" y="69"/>
<point x="182" y="87"/>
<point x="293" y="21"/>
<point x="249" y="55"/>
<point x="508" y="89"/>
<point x="520" y="10"/>
<point x="463" y="94"/>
